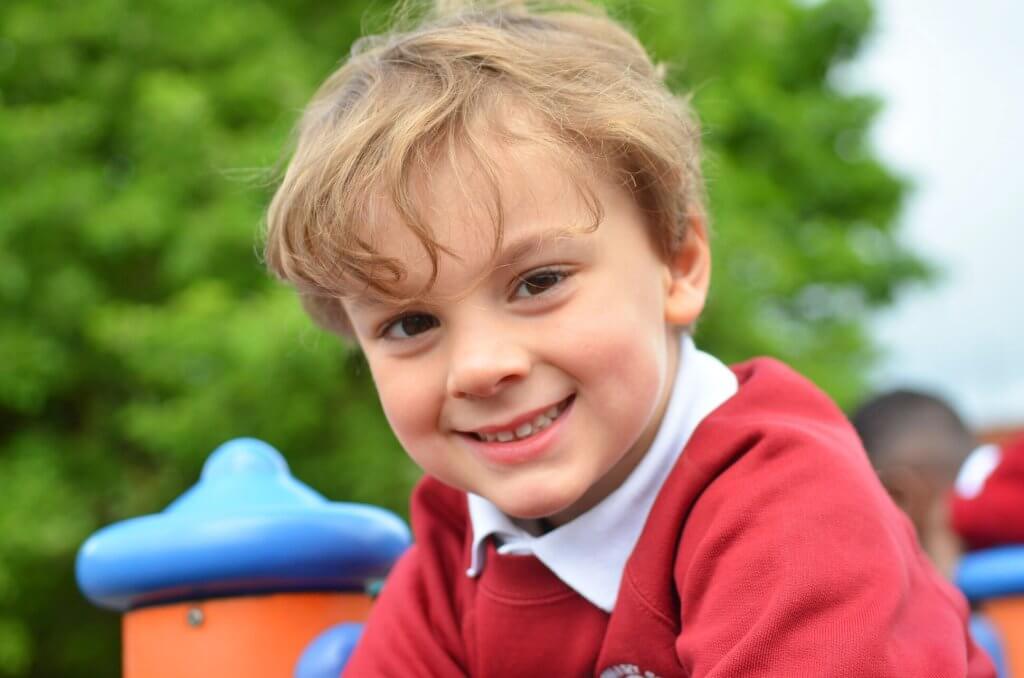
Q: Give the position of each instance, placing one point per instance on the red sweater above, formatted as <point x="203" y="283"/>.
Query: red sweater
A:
<point x="771" y="550"/>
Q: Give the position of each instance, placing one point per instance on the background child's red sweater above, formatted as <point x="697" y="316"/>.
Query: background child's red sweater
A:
<point x="771" y="550"/>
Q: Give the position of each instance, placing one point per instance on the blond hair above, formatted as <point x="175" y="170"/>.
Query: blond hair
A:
<point x="413" y="97"/>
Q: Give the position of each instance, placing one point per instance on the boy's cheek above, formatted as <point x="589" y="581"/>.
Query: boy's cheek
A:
<point x="601" y="330"/>
<point x="407" y="406"/>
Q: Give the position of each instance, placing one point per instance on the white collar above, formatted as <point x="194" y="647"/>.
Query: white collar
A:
<point x="589" y="553"/>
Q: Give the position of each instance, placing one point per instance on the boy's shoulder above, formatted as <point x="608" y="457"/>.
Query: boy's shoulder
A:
<point x="770" y="388"/>
<point x="776" y="411"/>
<point x="779" y="427"/>
<point x="775" y="462"/>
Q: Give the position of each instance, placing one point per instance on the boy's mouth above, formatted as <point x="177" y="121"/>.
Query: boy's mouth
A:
<point x="525" y="429"/>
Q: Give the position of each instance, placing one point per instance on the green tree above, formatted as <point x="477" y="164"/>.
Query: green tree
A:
<point x="138" y="330"/>
<point x="803" y="214"/>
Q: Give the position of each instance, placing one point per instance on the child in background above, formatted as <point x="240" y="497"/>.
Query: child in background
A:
<point x="504" y="208"/>
<point x="917" y="443"/>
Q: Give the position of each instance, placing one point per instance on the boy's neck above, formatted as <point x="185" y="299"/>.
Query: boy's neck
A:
<point x="535" y="526"/>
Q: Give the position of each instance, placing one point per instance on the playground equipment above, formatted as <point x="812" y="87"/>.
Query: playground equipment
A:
<point x="238" y="575"/>
<point x="993" y="580"/>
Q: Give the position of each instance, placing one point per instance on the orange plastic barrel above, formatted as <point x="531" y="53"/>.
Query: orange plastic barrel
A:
<point x="1007" y="616"/>
<point x="250" y="636"/>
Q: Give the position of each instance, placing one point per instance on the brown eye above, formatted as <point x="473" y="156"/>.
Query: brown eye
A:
<point x="539" y="282"/>
<point x="410" y="325"/>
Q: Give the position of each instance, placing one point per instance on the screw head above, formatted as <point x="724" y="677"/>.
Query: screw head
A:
<point x="195" y="617"/>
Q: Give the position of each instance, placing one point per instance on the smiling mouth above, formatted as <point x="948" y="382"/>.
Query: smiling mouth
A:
<point x="526" y="429"/>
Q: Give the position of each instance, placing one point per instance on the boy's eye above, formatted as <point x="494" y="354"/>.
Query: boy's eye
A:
<point x="537" y="283"/>
<point x="409" y="326"/>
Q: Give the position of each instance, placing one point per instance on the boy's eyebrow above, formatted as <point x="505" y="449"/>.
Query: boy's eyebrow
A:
<point x="530" y="243"/>
<point x="369" y="302"/>
<point x="511" y="251"/>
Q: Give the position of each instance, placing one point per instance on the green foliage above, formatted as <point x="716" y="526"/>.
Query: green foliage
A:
<point x="139" y="330"/>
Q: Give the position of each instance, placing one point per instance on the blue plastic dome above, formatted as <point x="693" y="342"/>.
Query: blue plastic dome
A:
<point x="246" y="527"/>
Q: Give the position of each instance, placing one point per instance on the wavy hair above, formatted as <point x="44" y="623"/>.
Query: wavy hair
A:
<point x="415" y="96"/>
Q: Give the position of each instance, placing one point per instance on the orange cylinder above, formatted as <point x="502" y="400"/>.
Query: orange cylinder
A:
<point x="1007" y="616"/>
<point x="258" y="636"/>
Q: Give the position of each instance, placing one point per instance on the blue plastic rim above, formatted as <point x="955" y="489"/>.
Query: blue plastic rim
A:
<point x="992" y="573"/>
<point x="246" y="527"/>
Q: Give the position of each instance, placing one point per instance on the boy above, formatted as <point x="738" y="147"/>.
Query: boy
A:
<point x="504" y="208"/>
<point x="917" y="444"/>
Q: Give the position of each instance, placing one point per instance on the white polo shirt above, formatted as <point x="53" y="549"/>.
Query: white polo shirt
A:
<point x="589" y="553"/>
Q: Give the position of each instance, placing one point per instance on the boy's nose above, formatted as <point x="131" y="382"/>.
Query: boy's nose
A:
<point x="482" y="370"/>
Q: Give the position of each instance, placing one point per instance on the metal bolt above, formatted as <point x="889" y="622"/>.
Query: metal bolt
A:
<point x="195" y="617"/>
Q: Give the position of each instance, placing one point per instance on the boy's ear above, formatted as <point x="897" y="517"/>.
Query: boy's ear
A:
<point x="688" y="275"/>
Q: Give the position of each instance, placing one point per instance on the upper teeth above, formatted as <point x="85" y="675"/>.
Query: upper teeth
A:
<point x="540" y="422"/>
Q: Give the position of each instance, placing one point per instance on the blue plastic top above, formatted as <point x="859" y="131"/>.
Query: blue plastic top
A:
<point x="992" y="573"/>
<point x="246" y="527"/>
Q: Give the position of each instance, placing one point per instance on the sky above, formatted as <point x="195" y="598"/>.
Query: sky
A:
<point x="951" y="75"/>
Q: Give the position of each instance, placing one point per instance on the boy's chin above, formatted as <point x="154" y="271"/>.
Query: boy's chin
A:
<point x="549" y="511"/>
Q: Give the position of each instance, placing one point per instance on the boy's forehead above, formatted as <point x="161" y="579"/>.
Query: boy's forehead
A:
<point x="530" y="200"/>
<point x="522" y="183"/>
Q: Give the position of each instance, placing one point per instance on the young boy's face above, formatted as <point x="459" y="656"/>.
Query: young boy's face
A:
<point x="536" y="380"/>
